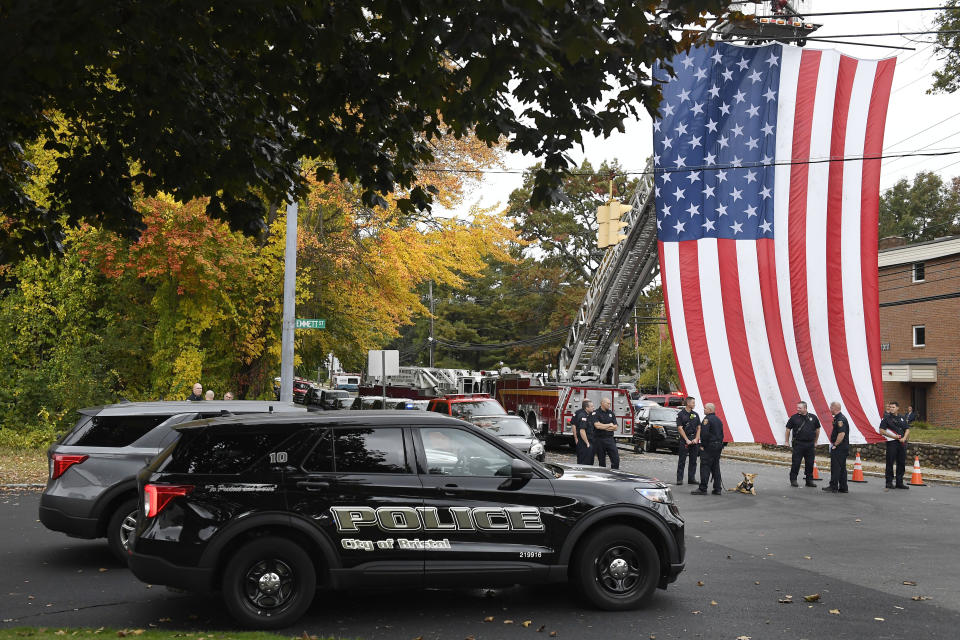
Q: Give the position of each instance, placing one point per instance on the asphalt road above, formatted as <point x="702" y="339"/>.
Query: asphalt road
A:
<point x="749" y="552"/>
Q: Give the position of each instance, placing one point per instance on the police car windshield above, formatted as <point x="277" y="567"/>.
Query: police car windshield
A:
<point x="505" y="426"/>
<point x="663" y="413"/>
<point x="476" y="408"/>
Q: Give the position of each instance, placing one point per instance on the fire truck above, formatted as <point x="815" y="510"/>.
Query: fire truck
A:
<point x="548" y="407"/>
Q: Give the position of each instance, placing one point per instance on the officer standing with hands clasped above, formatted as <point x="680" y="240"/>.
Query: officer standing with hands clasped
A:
<point x="806" y="430"/>
<point x="896" y="430"/>
<point x="839" y="448"/>
<point x="711" y="434"/>
<point x="604" y="423"/>
<point x="583" y="432"/>
<point x="688" y="427"/>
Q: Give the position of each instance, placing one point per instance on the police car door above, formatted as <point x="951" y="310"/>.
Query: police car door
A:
<point x="359" y="484"/>
<point x="481" y="525"/>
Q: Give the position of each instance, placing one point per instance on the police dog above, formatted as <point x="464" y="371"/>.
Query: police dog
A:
<point x="747" y="485"/>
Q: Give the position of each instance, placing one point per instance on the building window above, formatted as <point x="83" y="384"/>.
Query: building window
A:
<point x="919" y="336"/>
<point x="919" y="272"/>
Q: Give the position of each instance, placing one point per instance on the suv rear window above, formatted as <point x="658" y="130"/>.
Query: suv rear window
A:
<point x="363" y="450"/>
<point x="112" y="431"/>
<point x="217" y="451"/>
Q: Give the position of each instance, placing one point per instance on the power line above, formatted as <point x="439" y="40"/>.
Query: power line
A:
<point x="866" y="11"/>
<point x="914" y="135"/>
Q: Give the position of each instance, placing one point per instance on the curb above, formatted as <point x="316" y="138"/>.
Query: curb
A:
<point x="22" y="486"/>
<point x="873" y="474"/>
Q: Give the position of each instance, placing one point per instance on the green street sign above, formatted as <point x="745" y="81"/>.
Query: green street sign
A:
<point x="310" y="323"/>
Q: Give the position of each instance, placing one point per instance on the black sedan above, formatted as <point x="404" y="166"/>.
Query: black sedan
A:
<point x="656" y="428"/>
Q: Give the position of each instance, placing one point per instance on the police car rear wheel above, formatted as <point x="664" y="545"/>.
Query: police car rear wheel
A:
<point x="269" y="583"/>
<point x="617" y="568"/>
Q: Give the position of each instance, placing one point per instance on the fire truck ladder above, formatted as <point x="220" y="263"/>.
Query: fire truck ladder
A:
<point x="627" y="267"/>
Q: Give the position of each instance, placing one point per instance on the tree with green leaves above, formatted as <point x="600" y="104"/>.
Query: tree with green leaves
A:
<point x="947" y="22"/>
<point x="924" y="209"/>
<point x="221" y="99"/>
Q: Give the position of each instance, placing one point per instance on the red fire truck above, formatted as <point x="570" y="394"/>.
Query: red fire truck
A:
<point x="548" y="407"/>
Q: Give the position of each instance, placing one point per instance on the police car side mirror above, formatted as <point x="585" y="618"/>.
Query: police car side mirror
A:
<point x="520" y="473"/>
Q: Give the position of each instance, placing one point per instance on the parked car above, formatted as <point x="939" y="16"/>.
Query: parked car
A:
<point x="656" y="428"/>
<point x="370" y="402"/>
<point x="467" y="406"/>
<point x="665" y="400"/>
<point x="91" y="487"/>
<point x="327" y="399"/>
<point x="514" y="431"/>
<point x="268" y="509"/>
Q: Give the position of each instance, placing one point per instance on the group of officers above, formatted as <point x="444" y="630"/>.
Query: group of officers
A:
<point x="593" y="431"/>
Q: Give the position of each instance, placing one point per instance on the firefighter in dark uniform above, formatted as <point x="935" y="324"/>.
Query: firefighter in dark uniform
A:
<point x="839" y="448"/>
<point x="583" y="432"/>
<point x="688" y="428"/>
<point x="896" y="430"/>
<point x="806" y="429"/>
<point x="604" y="423"/>
<point x="711" y="434"/>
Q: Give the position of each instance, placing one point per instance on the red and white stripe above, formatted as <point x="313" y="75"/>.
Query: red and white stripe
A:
<point x="759" y="324"/>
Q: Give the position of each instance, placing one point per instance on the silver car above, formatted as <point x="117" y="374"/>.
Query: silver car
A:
<point x="516" y="432"/>
<point x="92" y="482"/>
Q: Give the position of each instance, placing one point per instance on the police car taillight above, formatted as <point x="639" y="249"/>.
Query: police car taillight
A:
<point x="157" y="496"/>
<point x="60" y="462"/>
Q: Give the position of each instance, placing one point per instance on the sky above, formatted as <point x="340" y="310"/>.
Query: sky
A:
<point x="911" y="109"/>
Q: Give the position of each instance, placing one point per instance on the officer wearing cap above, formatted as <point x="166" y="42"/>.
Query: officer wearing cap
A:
<point x="711" y="434"/>
<point x="604" y="423"/>
<point x="583" y="432"/>
<point x="688" y="428"/>
<point x="896" y="430"/>
<point x="839" y="448"/>
<point x="806" y="429"/>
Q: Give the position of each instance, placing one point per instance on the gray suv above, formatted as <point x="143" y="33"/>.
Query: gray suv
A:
<point x="92" y="483"/>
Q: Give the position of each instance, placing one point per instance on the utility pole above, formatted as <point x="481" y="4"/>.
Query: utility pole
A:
<point x="636" y="338"/>
<point x="431" y="324"/>
<point x="289" y="302"/>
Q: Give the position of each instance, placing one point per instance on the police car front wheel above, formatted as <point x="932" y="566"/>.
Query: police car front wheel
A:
<point x="617" y="568"/>
<point x="269" y="583"/>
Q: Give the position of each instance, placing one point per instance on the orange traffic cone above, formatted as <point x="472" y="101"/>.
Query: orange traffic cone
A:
<point x="816" y="472"/>
<point x="857" y="470"/>
<point x="916" y="480"/>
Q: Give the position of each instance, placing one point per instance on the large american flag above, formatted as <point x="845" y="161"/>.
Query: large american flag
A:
<point x="768" y="254"/>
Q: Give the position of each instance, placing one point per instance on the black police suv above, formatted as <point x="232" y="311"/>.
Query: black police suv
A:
<point x="267" y="509"/>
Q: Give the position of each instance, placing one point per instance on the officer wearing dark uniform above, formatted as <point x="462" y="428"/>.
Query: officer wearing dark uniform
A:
<point x="806" y="429"/>
<point x="583" y="432"/>
<point x="897" y="431"/>
<point x="839" y="448"/>
<point x="711" y="434"/>
<point x="604" y="423"/>
<point x="688" y="428"/>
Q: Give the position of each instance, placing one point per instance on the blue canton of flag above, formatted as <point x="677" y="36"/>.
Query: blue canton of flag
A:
<point x="714" y="143"/>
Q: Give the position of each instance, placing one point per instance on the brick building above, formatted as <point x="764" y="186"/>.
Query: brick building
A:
<point x="920" y="326"/>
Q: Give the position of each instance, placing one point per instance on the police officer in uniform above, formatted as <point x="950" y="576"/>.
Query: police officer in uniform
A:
<point x="806" y="429"/>
<point x="604" y="423"/>
<point x="583" y="432"/>
<point x="688" y="428"/>
<point x="897" y="432"/>
<point x="711" y="434"/>
<point x="839" y="448"/>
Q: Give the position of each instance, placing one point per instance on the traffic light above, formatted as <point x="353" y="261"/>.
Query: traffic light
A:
<point x="610" y="224"/>
<point x="603" y="224"/>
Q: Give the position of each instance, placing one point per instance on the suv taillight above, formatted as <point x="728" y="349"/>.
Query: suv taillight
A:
<point x="157" y="496"/>
<point x="60" y="462"/>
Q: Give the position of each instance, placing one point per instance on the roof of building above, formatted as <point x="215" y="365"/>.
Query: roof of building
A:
<point x="919" y="251"/>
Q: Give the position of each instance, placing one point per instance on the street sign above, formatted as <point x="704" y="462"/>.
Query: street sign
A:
<point x="380" y="361"/>
<point x="310" y="323"/>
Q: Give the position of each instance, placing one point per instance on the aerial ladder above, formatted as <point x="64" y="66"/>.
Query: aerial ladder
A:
<point x="627" y="267"/>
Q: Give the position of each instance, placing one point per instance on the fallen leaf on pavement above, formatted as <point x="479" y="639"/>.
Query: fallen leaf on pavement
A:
<point x="786" y="600"/>
<point x="835" y="612"/>
<point x="807" y="558"/>
<point x="879" y="619"/>
<point x="910" y="583"/>
<point x="858" y="520"/>
<point x="919" y="598"/>
<point x="714" y="603"/>
<point x="553" y="634"/>
<point x="756" y="582"/>
<point x="813" y="597"/>
<point x="743" y="637"/>
<point x="527" y="623"/>
<point x="508" y="622"/>
<point x="102" y="569"/>
<point x="696" y="613"/>
<point x="541" y="628"/>
<point x="488" y="619"/>
<point x="699" y="583"/>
